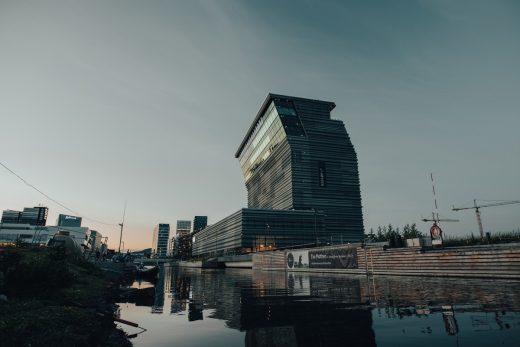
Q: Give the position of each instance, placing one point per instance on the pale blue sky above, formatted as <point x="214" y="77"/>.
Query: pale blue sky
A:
<point x="148" y="100"/>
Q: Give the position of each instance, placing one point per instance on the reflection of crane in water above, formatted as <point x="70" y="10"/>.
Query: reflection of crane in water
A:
<point x="477" y="210"/>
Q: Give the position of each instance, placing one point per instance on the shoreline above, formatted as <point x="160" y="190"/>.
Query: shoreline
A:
<point x="52" y="298"/>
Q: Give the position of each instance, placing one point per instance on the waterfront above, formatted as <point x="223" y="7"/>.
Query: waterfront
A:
<point x="194" y="307"/>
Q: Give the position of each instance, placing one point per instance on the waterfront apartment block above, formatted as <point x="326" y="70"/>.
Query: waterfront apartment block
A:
<point x="183" y="227"/>
<point x="161" y="234"/>
<point x="301" y="174"/>
<point x="10" y="233"/>
<point x="199" y="223"/>
<point x="30" y="215"/>
<point x="65" y="220"/>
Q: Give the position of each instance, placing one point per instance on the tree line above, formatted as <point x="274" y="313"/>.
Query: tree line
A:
<point x="395" y="235"/>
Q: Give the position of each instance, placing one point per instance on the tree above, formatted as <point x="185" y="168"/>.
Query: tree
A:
<point x="380" y="236"/>
<point x="371" y="237"/>
<point x="414" y="231"/>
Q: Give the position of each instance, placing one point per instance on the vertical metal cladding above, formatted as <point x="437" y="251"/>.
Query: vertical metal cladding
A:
<point x="224" y="235"/>
<point x="325" y="171"/>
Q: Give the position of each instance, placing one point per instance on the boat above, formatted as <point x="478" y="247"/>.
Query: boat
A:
<point x="147" y="271"/>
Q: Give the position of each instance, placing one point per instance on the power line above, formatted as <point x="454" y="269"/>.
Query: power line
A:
<point x="52" y="199"/>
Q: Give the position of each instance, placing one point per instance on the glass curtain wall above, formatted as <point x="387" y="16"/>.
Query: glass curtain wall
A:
<point x="264" y="139"/>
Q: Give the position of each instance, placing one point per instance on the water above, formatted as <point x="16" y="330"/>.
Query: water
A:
<point x="194" y="307"/>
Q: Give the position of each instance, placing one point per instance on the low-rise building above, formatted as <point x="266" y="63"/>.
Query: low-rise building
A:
<point x="11" y="233"/>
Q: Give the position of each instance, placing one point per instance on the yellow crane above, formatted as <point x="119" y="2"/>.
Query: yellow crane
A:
<point x="478" y="207"/>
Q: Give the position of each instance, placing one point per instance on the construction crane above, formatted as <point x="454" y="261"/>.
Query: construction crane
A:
<point x="435" y="230"/>
<point x="436" y="219"/>
<point x="477" y="211"/>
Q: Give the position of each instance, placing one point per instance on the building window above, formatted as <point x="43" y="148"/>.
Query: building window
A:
<point x="322" y="174"/>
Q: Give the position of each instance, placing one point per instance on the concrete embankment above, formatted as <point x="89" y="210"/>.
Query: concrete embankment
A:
<point x="244" y="261"/>
<point x="489" y="261"/>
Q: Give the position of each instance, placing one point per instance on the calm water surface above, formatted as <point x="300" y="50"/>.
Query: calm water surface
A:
<point x="194" y="307"/>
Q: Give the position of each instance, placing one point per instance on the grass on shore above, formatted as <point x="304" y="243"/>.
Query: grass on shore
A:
<point x="54" y="299"/>
<point x="472" y="240"/>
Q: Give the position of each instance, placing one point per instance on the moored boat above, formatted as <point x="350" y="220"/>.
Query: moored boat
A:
<point x="148" y="271"/>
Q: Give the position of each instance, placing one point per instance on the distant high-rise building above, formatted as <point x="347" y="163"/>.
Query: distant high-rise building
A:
<point x="30" y="215"/>
<point x="95" y="239"/>
<point x="183" y="227"/>
<point x="199" y="223"/>
<point x="171" y="246"/>
<point x="34" y="215"/>
<point x="68" y="221"/>
<point x="161" y="234"/>
<point x="10" y="216"/>
<point x="182" y="242"/>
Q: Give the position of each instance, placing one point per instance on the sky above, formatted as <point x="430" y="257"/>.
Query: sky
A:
<point x="103" y="102"/>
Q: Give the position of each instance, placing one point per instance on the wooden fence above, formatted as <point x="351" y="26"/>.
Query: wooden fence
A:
<point x="489" y="261"/>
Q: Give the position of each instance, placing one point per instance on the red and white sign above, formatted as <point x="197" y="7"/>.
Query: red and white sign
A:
<point x="436" y="234"/>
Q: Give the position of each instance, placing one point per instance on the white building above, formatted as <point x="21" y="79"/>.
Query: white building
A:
<point x="11" y="233"/>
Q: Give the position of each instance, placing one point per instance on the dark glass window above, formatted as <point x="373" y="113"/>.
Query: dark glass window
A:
<point x="288" y="111"/>
<point x="322" y="174"/>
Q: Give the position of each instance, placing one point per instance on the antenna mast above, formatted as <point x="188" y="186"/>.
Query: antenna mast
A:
<point x="121" y="225"/>
<point x="435" y="230"/>
<point x="436" y="213"/>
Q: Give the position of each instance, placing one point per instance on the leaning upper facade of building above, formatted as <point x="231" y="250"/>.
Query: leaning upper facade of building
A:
<point x="295" y="157"/>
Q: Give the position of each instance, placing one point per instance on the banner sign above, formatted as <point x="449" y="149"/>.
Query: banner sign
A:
<point x="297" y="259"/>
<point x="336" y="258"/>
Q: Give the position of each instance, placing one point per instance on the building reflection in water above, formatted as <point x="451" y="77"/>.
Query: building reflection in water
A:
<point x="274" y="308"/>
<point x="160" y="287"/>
<point x="302" y="309"/>
<point x="180" y="290"/>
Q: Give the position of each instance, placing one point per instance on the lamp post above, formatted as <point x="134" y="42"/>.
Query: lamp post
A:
<point x="315" y="235"/>
<point x="216" y="243"/>
<point x="268" y="232"/>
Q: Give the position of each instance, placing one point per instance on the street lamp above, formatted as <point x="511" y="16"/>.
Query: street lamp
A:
<point x="315" y="235"/>
<point x="268" y="232"/>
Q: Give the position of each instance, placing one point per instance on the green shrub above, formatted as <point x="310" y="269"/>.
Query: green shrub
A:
<point x="35" y="275"/>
